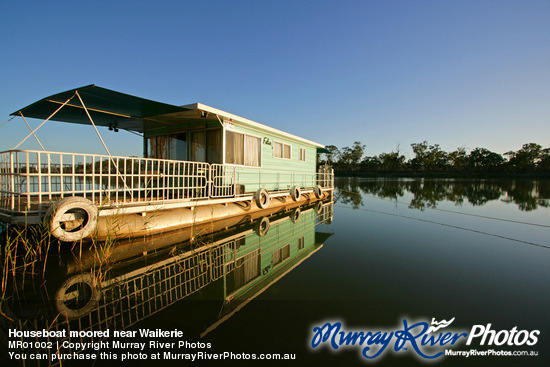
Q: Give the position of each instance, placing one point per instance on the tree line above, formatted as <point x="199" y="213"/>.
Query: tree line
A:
<point x="532" y="158"/>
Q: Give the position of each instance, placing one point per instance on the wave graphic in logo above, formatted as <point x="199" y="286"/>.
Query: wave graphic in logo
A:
<point x="439" y="325"/>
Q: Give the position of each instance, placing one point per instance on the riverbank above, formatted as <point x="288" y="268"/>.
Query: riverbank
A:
<point x="420" y="174"/>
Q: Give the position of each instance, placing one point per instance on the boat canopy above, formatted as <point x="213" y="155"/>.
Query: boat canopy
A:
<point x="123" y="111"/>
<point x="106" y="108"/>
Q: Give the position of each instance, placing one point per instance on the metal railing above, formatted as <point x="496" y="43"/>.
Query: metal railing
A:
<point x="234" y="181"/>
<point x="31" y="180"/>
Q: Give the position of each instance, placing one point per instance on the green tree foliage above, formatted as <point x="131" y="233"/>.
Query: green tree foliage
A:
<point x="431" y="159"/>
<point x="332" y="155"/>
<point x="350" y="157"/>
<point x="544" y="163"/>
<point x="458" y="159"/>
<point x="391" y="162"/>
<point x="527" y="158"/>
<point x="482" y="159"/>
<point x="428" y="158"/>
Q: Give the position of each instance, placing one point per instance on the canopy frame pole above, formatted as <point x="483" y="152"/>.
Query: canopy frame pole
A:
<point x="93" y="124"/>
<point x="8" y="121"/>
<point x="103" y="142"/>
<point x="30" y="128"/>
<point x="43" y="122"/>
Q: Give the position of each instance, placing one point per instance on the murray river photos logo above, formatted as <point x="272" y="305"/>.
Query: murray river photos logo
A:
<point x="425" y="340"/>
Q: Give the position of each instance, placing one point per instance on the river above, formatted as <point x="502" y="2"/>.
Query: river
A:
<point x="385" y="255"/>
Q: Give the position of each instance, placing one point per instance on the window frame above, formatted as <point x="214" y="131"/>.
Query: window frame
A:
<point x="280" y="251"/>
<point x="301" y="243"/>
<point x="283" y="144"/>
<point x="244" y="148"/>
<point x="305" y="154"/>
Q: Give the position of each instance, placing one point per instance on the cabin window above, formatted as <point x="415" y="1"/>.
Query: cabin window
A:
<point x="247" y="268"/>
<point x="168" y="147"/>
<point x="281" y="254"/>
<point x="253" y="151"/>
<point x="213" y="146"/>
<point x="198" y="146"/>
<point x="282" y="150"/>
<point x="243" y="149"/>
<point x="302" y="154"/>
<point x="206" y="146"/>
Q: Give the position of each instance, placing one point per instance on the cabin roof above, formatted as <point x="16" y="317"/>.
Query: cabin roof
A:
<point x="238" y="120"/>
<point x="111" y="108"/>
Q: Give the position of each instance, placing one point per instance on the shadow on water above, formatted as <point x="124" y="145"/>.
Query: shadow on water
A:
<point x="216" y="269"/>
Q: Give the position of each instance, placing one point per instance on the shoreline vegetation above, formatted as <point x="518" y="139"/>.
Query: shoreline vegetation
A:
<point x="531" y="161"/>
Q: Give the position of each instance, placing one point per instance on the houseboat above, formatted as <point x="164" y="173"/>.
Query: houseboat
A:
<point x="199" y="164"/>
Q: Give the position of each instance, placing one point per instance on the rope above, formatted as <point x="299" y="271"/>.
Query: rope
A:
<point x="8" y="121"/>
<point x="93" y="124"/>
<point x="451" y="226"/>
<point x="36" y="137"/>
<point x="43" y="122"/>
<point x="102" y="142"/>
<point x="455" y="212"/>
<point x="133" y="132"/>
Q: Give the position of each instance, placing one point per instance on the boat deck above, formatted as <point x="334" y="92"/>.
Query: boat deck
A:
<point x="30" y="181"/>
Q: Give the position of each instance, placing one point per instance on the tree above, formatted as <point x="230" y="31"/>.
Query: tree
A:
<point x="428" y="157"/>
<point x="482" y="159"/>
<point x="527" y="158"/>
<point x="351" y="157"/>
<point x="544" y="163"/>
<point x="391" y="162"/>
<point x="458" y="159"/>
<point x="332" y="153"/>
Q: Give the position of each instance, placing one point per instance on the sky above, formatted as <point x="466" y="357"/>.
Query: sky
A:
<point x="385" y="73"/>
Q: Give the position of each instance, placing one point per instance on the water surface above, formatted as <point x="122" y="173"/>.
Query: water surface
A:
<point x="387" y="250"/>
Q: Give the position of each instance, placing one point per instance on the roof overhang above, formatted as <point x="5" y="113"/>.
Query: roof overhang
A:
<point x="106" y="107"/>
<point x="251" y="124"/>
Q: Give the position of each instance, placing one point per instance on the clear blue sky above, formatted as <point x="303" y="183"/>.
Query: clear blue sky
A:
<point x="458" y="73"/>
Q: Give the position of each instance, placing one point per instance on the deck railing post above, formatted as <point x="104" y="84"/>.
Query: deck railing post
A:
<point x="49" y="175"/>
<point x="28" y="179"/>
<point x="39" y="177"/>
<point x="210" y="186"/>
<point x="234" y="181"/>
<point x="12" y="181"/>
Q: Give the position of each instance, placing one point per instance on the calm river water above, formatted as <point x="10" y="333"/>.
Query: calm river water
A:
<point x="386" y="252"/>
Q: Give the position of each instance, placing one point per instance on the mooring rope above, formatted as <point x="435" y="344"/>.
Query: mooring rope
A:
<point x="448" y="225"/>
<point x="453" y="212"/>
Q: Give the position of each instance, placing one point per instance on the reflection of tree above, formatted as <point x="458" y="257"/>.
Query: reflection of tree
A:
<point x="522" y="193"/>
<point x="384" y="188"/>
<point x="348" y="192"/>
<point x="480" y="192"/>
<point x="527" y="194"/>
<point x="426" y="194"/>
<point x="543" y="188"/>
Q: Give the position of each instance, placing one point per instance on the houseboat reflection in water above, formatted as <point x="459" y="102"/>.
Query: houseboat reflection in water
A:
<point x="214" y="271"/>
